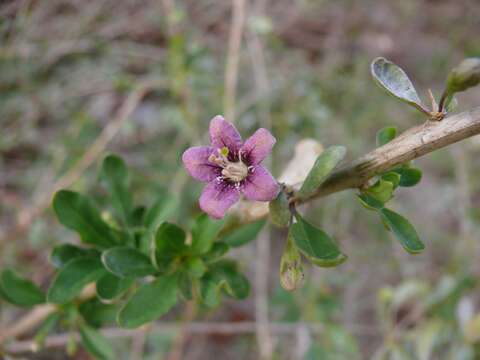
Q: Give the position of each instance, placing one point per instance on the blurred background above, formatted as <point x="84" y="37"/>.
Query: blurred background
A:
<point x="144" y="78"/>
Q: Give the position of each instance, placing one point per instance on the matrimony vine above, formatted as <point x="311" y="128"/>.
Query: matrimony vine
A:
<point x="142" y="265"/>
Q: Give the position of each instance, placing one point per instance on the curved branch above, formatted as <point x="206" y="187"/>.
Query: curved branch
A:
<point x="411" y="144"/>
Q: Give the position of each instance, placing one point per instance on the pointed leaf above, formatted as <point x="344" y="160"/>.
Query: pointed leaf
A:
<point x="111" y="286"/>
<point x="324" y="165"/>
<point x="244" y="234"/>
<point x="76" y="212"/>
<point x="393" y="79"/>
<point x="403" y="231"/>
<point x="386" y="135"/>
<point x="20" y="291"/>
<point x="315" y="244"/>
<point x="115" y="175"/>
<point x="127" y="262"/>
<point x="151" y="301"/>
<point x="95" y="343"/>
<point x="72" y="278"/>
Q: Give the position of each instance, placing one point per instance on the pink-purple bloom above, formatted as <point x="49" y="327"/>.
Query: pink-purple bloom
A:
<point x="231" y="168"/>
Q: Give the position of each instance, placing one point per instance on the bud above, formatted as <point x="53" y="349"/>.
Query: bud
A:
<point x="464" y="76"/>
<point x="291" y="269"/>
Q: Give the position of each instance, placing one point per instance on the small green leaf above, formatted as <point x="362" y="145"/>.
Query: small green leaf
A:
<point x="20" y="291"/>
<point x="47" y="326"/>
<point x="382" y="190"/>
<point x="71" y="279"/>
<point x="370" y="202"/>
<point x="151" y="301"/>
<point x="291" y="268"/>
<point x="204" y="232"/>
<point x="315" y="244"/>
<point x="115" y="175"/>
<point x="127" y="262"/>
<point x="223" y="275"/>
<point x="279" y="210"/>
<point x="218" y="249"/>
<point x="98" y="314"/>
<point x="386" y="135"/>
<point x="169" y="243"/>
<point x="395" y="82"/>
<point x="464" y="76"/>
<point x="195" y="267"/>
<point x="160" y="211"/>
<point x="95" y="343"/>
<point x="403" y="231"/>
<point x="185" y="286"/>
<point x="409" y="176"/>
<point x="392" y="177"/>
<point x="111" y="286"/>
<point x="244" y="234"/>
<point x="63" y="253"/>
<point x="76" y="212"/>
<point x="324" y="165"/>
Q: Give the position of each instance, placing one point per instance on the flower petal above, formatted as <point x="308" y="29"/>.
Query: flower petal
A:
<point x="223" y="133"/>
<point x="260" y="185"/>
<point x="258" y="146"/>
<point x="195" y="160"/>
<point x="217" y="197"/>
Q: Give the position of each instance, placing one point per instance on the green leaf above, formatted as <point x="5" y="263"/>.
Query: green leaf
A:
<point x="110" y="286"/>
<point x="20" y="291"/>
<point x="223" y="275"/>
<point x="115" y="175"/>
<point x="160" y="211"/>
<point x="185" y="286"/>
<point x="370" y="202"/>
<point x="95" y="343"/>
<point x="169" y="243"/>
<point x="386" y="135"/>
<point x="315" y="244"/>
<point x="204" y="233"/>
<point x="244" y="234"/>
<point x="195" y="267"/>
<point x="127" y="262"/>
<point x="218" y="249"/>
<point x="324" y="165"/>
<point x="151" y="301"/>
<point x="403" y="231"/>
<point x="382" y="190"/>
<point x="279" y="210"/>
<point x="47" y="326"/>
<point x="291" y="268"/>
<point x="98" y="314"/>
<point x="76" y="212"/>
<point x="464" y="76"/>
<point x="395" y="82"/>
<point x="71" y="279"/>
<point x="409" y="176"/>
<point x="63" y="253"/>
<point x="392" y="177"/>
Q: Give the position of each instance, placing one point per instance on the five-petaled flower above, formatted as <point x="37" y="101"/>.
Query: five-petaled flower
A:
<point x="231" y="167"/>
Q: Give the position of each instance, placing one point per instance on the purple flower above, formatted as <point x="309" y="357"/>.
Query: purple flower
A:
<point x="231" y="167"/>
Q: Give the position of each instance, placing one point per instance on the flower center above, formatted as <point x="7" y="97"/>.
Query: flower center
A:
<point x="234" y="171"/>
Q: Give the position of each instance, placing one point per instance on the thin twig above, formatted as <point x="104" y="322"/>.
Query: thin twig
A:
<point x="223" y="328"/>
<point x="231" y="68"/>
